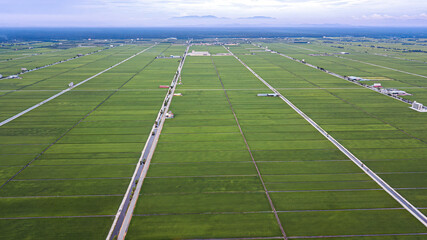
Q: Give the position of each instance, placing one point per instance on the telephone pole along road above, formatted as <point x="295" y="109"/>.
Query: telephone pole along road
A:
<point x="124" y="214"/>
<point x="401" y="200"/>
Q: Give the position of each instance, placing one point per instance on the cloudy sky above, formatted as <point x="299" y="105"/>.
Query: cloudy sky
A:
<point x="271" y="13"/>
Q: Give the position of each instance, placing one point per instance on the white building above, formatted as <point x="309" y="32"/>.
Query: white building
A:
<point x="418" y="107"/>
<point x="194" y="53"/>
<point x="267" y="95"/>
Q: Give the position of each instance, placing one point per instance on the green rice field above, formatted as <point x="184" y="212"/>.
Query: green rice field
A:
<point x="230" y="164"/>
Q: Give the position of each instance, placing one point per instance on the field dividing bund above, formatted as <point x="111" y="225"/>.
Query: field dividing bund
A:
<point x="405" y="203"/>
<point x="202" y="183"/>
<point x="389" y="138"/>
<point x="324" y="184"/>
<point x="348" y="66"/>
<point x="42" y="60"/>
<point x="343" y="77"/>
<point x="75" y="187"/>
<point x="69" y="89"/>
<point x="124" y="215"/>
<point x="13" y="100"/>
<point x="376" y="65"/>
<point x="252" y="157"/>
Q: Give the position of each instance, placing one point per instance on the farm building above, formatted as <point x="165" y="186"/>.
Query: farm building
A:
<point x="13" y="77"/>
<point x="267" y="95"/>
<point x="353" y="78"/>
<point x="393" y="91"/>
<point x="194" y="53"/>
<point x="418" y="107"/>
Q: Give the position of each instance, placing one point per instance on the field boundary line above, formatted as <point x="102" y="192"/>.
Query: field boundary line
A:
<point x="22" y="88"/>
<point x="55" y="63"/>
<point x="389" y="68"/>
<point x="297" y="237"/>
<point x="87" y="216"/>
<point x="404" y="100"/>
<point x="361" y="235"/>
<point x="67" y="196"/>
<point x="75" y="125"/>
<point x="66" y="179"/>
<point x="346" y="101"/>
<point x="32" y="55"/>
<point x="124" y="214"/>
<point x="273" y="208"/>
<point x="244" y="238"/>
<point x="393" y="193"/>
<point x="70" y="88"/>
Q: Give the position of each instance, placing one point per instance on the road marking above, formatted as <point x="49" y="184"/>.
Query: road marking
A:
<point x="405" y="203"/>
<point x="69" y="89"/>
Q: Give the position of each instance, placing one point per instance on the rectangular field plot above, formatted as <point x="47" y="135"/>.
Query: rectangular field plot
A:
<point x="203" y="226"/>
<point x="73" y="157"/>
<point x="193" y="174"/>
<point x="229" y="164"/>
<point x="360" y="222"/>
<point x="54" y="228"/>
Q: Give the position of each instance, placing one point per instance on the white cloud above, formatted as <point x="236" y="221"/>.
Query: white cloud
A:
<point x="162" y="12"/>
<point x="376" y="16"/>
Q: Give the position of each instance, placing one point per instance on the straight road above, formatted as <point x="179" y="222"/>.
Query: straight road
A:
<point x="392" y="192"/>
<point x="55" y="63"/>
<point x="124" y="214"/>
<point x="354" y="82"/>
<point x="69" y="89"/>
